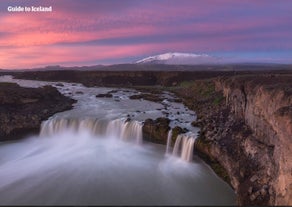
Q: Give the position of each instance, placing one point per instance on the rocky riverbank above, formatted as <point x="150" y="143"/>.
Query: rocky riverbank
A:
<point x="23" y="109"/>
<point x="246" y="125"/>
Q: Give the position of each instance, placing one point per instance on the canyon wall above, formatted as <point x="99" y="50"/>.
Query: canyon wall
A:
<point x="246" y="130"/>
<point x="265" y="106"/>
<point x="246" y="133"/>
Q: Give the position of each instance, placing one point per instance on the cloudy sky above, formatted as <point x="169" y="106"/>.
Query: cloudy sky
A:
<point x="89" y="32"/>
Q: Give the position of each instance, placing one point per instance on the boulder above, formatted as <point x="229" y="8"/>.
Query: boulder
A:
<point x="104" y="95"/>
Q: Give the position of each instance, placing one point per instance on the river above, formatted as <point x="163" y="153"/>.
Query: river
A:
<point x="94" y="154"/>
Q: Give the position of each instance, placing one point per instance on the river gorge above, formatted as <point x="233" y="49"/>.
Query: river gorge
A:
<point x="195" y="137"/>
<point x="95" y="154"/>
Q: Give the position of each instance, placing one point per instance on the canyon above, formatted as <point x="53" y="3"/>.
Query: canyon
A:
<point x="245" y="125"/>
<point x="95" y="151"/>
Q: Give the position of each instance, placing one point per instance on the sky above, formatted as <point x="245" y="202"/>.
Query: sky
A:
<point x="91" y="32"/>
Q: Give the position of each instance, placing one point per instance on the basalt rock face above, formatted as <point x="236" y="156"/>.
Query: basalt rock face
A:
<point x="156" y="130"/>
<point x="265" y="106"/>
<point x="246" y="128"/>
<point x="23" y="109"/>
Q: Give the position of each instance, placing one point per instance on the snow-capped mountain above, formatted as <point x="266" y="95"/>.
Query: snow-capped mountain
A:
<point x="176" y="58"/>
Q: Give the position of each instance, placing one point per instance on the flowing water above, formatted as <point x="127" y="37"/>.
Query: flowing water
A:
<point x="117" y="128"/>
<point x="168" y="143"/>
<point x="94" y="155"/>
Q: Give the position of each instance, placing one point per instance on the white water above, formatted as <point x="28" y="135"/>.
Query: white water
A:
<point x="90" y="156"/>
<point x="169" y="135"/>
<point x="184" y="146"/>
<point x="76" y="168"/>
<point x="117" y="128"/>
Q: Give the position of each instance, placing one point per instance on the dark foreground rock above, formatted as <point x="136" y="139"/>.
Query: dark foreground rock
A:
<point x="23" y="109"/>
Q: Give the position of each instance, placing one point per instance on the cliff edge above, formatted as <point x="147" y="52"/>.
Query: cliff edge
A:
<point x="23" y="109"/>
<point x="246" y="129"/>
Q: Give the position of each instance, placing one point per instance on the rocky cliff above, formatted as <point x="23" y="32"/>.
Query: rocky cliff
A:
<point x="23" y="109"/>
<point x="246" y="127"/>
<point x="265" y="106"/>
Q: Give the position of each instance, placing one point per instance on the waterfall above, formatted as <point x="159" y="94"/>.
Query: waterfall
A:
<point x="184" y="146"/>
<point x="187" y="148"/>
<point x="176" y="145"/>
<point x="169" y="135"/>
<point x="119" y="128"/>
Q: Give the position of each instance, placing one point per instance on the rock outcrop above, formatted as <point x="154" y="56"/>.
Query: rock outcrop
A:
<point x="148" y="97"/>
<point x="156" y="130"/>
<point x="23" y="109"/>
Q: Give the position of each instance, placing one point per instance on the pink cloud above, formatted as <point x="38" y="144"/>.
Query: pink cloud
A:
<point x="37" y="56"/>
<point x="34" y="39"/>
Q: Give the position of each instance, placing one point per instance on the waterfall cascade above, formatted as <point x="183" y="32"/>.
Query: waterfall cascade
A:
<point x="184" y="146"/>
<point x="120" y="128"/>
<point x="169" y="135"/>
